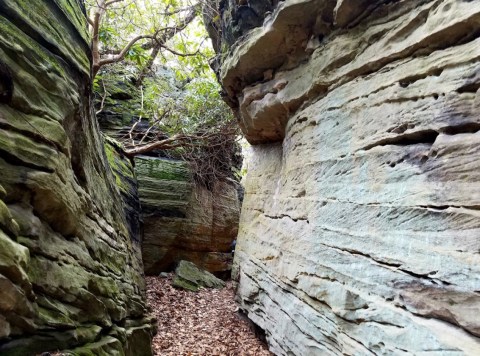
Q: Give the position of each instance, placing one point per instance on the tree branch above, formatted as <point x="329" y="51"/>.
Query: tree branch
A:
<point x="102" y="105"/>
<point x="159" y="42"/>
<point x="120" y="56"/>
<point x="111" y="2"/>
<point x="181" y="54"/>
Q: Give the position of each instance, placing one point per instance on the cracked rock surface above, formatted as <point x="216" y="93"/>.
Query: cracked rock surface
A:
<point x="360" y="228"/>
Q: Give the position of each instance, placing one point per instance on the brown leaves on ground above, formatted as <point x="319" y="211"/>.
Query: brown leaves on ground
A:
<point x="202" y="323"/>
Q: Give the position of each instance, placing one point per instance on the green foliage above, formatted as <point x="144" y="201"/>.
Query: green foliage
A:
<point x="203" y="104"/>
<point x="179" y="95"/>
<point x="170" y="104"/>
<point x="127" y="19"/>
<point x="107" y="34"/>
<point x="182" y="90"/>
<point x="137" y="55"/>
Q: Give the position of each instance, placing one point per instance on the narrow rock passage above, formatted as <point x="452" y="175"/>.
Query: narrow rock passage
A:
<point x="203" y="323"/>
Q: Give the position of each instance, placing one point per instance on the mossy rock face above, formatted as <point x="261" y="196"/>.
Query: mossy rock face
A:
<point x="189" y="277"/>
<point x="126" y="182"/>
<point x="70" y="262"/>
<point x="107" y="346"/>
<point x="123" y="103"/>
<point x="163" y="169"/>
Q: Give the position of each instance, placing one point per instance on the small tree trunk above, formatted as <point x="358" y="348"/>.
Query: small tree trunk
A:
<point x="97" y="16"/>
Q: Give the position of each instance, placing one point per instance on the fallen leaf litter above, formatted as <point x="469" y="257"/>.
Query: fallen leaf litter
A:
<point x="202" y="323"/>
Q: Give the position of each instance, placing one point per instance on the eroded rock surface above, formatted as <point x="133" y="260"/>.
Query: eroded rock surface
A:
<point x="360" y="229"/>
<point x="183" y="220"/>
<point x="71" y="274"/>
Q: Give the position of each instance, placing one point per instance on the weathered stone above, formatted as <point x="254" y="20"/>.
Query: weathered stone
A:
<point x="3" y="193"/>
<point x="183" y="220"/>
<point x="6" y="220"/>
<point x="188" y="276"/>
<point x="70" y="262"/>
<point x="360" y="229"/>
<point x="14" y="260"/>
<point x="51" y="340"/>
<point x="347" y="12"/>
<point x="126" y="181"/>
<point x="139" y="340"/>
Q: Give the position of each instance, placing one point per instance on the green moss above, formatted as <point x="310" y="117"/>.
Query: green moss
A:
<point x="12" y="38"/>
<point x="107" y="346"/>
<point x="3" y="192"/>
<point x="14" y="259"/>
<point x="76" y="17"/>
<point x="7" y="222"/>
<point x="50" y="130"/>
<point x="42" y="86"/>
<point x="53" y="340"/>
<point x="38" y="15"/>
<point x="110" y="140"/>
<point x="187" y="285"/>
<point x="121" y="167"/>
<point x="162" y="169"/>
<point x="28" y="151"/>
<point x="188" y="276"/>
<point x="54" y="318"/>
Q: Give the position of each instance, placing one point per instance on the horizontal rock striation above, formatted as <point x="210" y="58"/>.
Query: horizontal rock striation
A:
<point x="71" y="274"/>
<point x="183" y="220"/>
<point x="360" y="228"/>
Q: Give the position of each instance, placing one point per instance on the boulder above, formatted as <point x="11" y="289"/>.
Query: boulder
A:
<point x="189" y="277"/>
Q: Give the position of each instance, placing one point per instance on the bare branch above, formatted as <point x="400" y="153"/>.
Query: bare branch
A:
<point x="111" y="2"/>
<point x="181" y="54"/>
<point x="130" y="133"/>
<point x="90" y="21"/>
<point x="102" y="105"/>
<point x="157" y="120"/>
<point x="160" y="41"/>
<point x="168" y="32"/>
<point x="120" y="56"/>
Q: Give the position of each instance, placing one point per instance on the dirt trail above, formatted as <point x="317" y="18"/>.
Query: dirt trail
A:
<point x="203" y="323"/>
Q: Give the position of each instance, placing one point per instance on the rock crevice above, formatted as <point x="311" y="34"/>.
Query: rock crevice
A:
<point x="183" y="220"/>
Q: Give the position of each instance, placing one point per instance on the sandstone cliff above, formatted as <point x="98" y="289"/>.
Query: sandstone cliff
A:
<point x="182" y="220"/>
<point x="360" y="229"/>
<point x="71" y="275"/>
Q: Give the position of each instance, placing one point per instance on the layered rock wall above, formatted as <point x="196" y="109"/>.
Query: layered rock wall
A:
<point x="183" y="220"/>
<point x="360" y="228"/>
<point x="71" y="274"/>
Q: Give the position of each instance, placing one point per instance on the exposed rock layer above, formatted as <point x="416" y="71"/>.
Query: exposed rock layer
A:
<point x="360" y="229"/>
<point x="183" y="220"/>
<point x="71" y="275"/>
